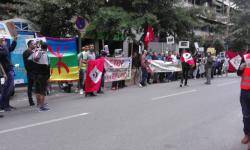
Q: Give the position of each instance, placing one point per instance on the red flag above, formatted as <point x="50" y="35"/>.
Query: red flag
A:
<point x="187" y="57"/>
<point x="94" y="75"/>
<point x="149" y="36"/>
<point x="231" y="54"/>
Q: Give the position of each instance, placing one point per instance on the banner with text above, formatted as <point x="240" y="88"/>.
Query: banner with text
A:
<point x="163" y="66"/>
<point x="117" y="69"/>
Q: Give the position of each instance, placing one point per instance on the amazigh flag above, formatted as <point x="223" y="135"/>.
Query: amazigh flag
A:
<point x="149" y="36"/>
<point x="94" y="75"/>
<point x="63" y="59"/>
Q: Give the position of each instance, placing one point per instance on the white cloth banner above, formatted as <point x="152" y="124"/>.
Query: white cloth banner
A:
<point x="117" y="69"/>
<point x="163" y="66"/>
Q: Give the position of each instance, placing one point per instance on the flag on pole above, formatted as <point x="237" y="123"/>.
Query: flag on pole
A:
<point x="149" y="36"/>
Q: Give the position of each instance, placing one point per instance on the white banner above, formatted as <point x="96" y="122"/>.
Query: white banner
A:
<point x="117" y="69"/>
<point x="162" y="66"/>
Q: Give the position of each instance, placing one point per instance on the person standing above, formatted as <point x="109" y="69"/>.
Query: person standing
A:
<point x="83" y="56"/>
<point x="208" y="68"/>
<point x="226" y="66"/>
<point x="28" y="66"/>
<point x="244" y="72"/>
<point x="136" y="67"/>
<point x="185" y="67"/>
<point x="40" y="75"/>
<point x="91" y="56"/>
<point x="101" y="88"/>
<point x="8" y="68"/>
<point x="144" y="68"/>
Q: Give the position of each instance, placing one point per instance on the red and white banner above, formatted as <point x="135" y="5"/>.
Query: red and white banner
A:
<point x="187" y="57"/>
<point x="117" y="69"/>
<point x="233" y="57"/>
<point x="94" y="75"/>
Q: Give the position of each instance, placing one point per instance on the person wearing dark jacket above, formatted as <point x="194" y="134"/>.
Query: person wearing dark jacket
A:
<point x="8" y="68"/>
<point x="185" y="69"/>
<point x="28" y="64"/>
<point x="244" y="72"/>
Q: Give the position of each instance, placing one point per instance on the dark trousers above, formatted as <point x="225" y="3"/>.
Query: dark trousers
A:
<point x="102" y="83"/>
<point x="185" y="71"/>
<point x="81" y="78"/>
<point x="7" y="89"/>
<point x="148" y="77"/>
<point x="162" y="77"/>
<point x="30" y="86"/>
<point x="144" y="76"/>
<point x="245" y="105"/>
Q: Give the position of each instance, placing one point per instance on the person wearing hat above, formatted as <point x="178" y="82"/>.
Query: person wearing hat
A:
<point x="9" y="70"/>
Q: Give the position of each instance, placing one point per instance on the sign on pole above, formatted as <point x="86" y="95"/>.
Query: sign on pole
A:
<point x="170" y="40"/>
<point x="184" y="44"/>
<point x="196" y="46"/>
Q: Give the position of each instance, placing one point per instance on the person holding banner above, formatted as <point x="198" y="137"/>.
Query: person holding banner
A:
<point x="244" y="72"/>
<point x="186" y="63"/>
<point x="91" y="56"/>
<point x="8" y="68"/>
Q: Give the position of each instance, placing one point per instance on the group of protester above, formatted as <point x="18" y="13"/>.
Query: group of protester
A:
<point x="201" y="67"/>
<point x="38" y="72"/>
<point x="88" y="53"/>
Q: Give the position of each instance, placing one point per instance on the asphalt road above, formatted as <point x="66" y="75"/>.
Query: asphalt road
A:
<point x="158" y="117"/>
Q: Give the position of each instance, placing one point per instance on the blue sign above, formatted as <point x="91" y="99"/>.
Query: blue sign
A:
<point x="80" y="23"/>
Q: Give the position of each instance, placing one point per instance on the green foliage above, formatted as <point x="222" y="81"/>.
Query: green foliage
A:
<point x="116" y="18"/>
<point x="218" y="45"/>
<point x="108" y="22"/>
<point x="55" y="17"/>
<point x="241" y="37"/>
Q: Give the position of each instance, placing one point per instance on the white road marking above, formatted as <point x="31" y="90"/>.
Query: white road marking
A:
<point x="21" y="100"/>
<point x="42" y="123"/>
<point x="176" y="94"/>
<point x="227" y="83"/>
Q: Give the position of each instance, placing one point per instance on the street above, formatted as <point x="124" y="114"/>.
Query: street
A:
<point x="157" y="117"/>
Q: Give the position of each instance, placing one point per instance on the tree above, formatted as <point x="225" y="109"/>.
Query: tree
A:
<point x="108" y="22"/>
<point x="6" y="9"/>
<point x="241" y="30"/>
<point x="55" y="17"/>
